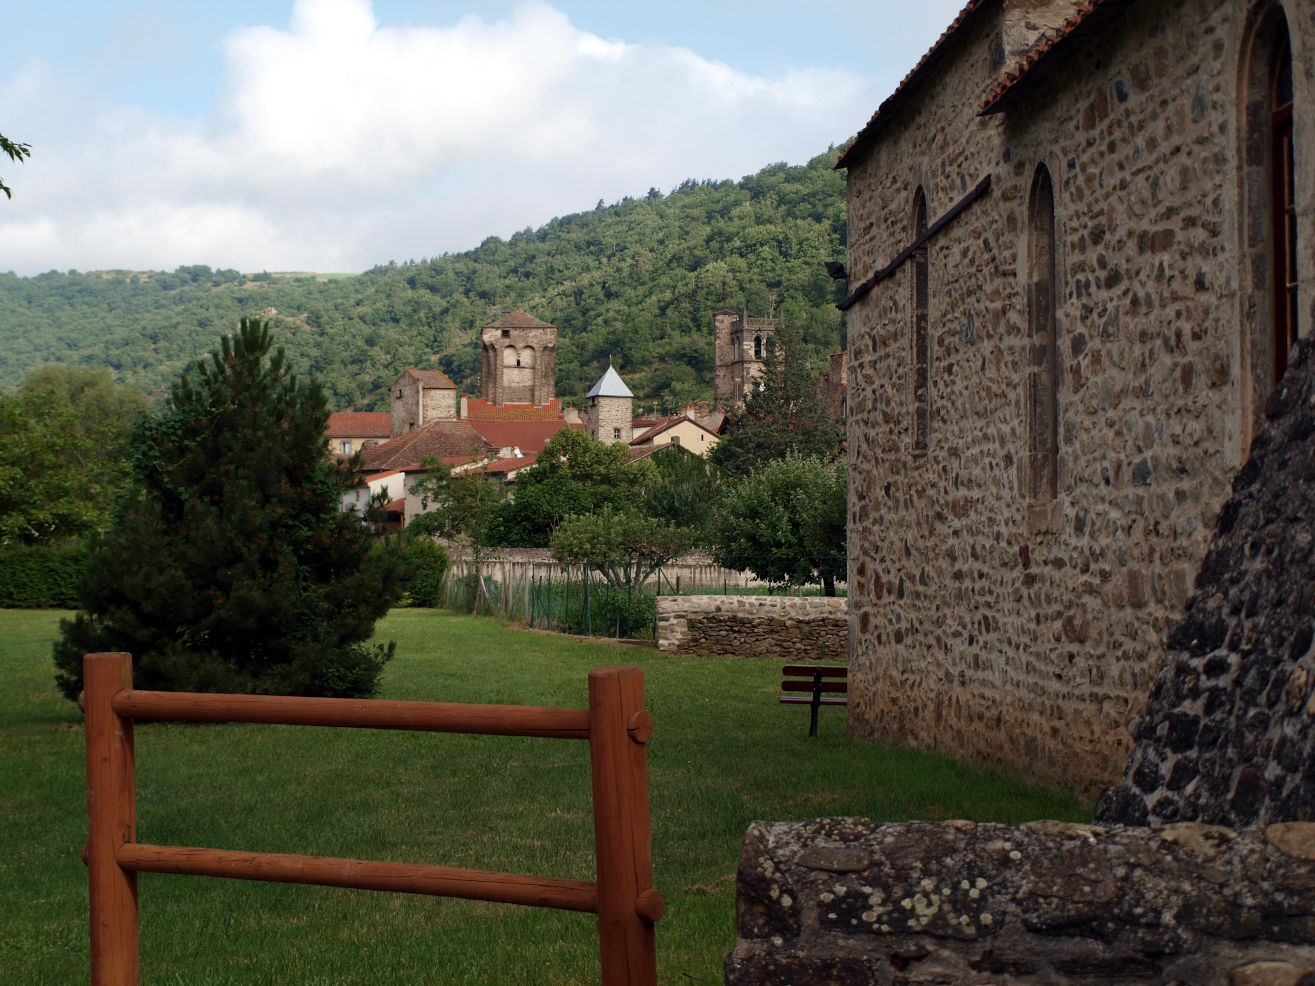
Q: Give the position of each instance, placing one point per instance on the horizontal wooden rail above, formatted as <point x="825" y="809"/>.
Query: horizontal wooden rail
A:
<point x="615" y="723"/>
<point x="286" y="710"/>
<point x="360" y="874"/>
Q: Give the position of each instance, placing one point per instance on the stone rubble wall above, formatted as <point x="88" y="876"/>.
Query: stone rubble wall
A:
<point x="793" y="627"/>
<point x="850" y="901"/>
<point x="1227" y="735"/>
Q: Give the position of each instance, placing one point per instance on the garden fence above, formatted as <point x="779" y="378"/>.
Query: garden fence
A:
<point x="578" y="598"/>
<point x="615" y="723"/>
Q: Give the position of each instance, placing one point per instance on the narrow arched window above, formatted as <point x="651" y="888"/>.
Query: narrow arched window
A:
<point x="1283" y="199"/>
<point x="1043" y="371"/>
<point x="1269" y="159"/>
<point x="757" y="347"/>
<point x="921" y="329"/>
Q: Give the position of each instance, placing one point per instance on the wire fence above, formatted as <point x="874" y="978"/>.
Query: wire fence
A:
<point x="578" y="599"/>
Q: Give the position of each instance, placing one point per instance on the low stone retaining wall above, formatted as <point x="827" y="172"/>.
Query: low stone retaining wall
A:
<point x="848" y="900"/>
<point x="792" y="627"/>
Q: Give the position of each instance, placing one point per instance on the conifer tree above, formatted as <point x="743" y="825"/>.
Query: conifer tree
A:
<point x="232" y="568"/>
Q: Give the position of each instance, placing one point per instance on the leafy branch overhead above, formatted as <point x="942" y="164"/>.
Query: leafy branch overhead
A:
<point x="16" y="152"/>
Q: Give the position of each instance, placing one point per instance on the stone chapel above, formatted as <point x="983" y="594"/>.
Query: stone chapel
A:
<point x="1081" y="243"/>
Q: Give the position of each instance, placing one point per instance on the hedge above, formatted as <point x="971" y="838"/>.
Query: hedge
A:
<point x="41" y="577"/>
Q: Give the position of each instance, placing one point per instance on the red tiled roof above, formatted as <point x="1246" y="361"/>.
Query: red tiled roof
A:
<point x="478" y="409"/>
<point x="1044" y="56"/>
<point x="447" y="441"/>
<point x="905" y="89"/>
<point x="528" y="436"/>
<point x="508" y="464"/>
<point x="518" y="319"/>
<point x="358" y="424"/>
<point x="433" y="379"/>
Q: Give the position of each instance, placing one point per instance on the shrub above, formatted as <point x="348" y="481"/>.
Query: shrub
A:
<point x="41" y="576"/>
<point x="427" y="565"/>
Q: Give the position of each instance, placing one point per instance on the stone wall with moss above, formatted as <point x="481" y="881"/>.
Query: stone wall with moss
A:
<point x="849" y="900"/>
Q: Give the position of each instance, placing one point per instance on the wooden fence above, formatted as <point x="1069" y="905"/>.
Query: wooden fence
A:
<point x="615" y="723"/>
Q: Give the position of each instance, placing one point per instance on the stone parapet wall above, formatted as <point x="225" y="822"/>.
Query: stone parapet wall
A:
<point x="791" y="627"/>
<point x="848" y="900"/>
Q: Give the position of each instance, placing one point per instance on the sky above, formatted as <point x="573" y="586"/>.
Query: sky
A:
<point x="334" y="135"/>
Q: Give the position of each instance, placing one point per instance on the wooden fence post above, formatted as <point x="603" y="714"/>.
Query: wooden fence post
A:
<point x="112" y="822"/>
<point x="628" y="906"/>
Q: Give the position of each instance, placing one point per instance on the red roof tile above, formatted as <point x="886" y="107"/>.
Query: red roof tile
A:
<point x="528" y="436"/>
<point x="478" y="409"/>
<point x="447" y="441"/>
<point x="359" y="424"/>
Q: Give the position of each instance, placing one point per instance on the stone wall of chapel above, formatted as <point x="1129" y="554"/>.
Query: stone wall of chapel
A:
<point x="1028" y="633"/>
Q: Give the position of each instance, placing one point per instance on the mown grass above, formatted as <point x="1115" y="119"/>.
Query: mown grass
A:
<point x="724" y="752"/>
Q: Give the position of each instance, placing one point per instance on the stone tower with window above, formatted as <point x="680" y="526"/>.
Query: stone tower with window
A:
<point x="740" y="346"/>
<point x="518" y="360"/>
<point x="610" y="409"/>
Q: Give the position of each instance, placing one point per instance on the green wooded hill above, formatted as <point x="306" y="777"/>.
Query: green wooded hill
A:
<point x="636" y="281"/>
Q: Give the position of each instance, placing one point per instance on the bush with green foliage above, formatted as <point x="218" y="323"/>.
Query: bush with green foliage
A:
<point x="574" y="474"/>
<point x="42" y="576"/>
<point x="232" y="568"/>
<point x="427" y="565"/>
<point x="786" y="523"/>
<point x="62" y="453"/>
<point x="622" y="546"/>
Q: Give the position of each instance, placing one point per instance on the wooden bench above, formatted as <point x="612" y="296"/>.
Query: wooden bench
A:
<point x="815" y="679"/>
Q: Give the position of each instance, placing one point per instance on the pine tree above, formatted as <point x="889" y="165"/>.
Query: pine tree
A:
<point x="232" y="568"/>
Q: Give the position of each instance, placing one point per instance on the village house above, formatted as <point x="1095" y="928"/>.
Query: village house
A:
<point x="1080" y="249"/>
<point x="349" y="432"/>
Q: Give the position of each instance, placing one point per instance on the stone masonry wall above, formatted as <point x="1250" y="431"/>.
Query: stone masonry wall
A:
<point x="1227" y="735"/>
<point x="847" y="900"/>
<point x="793" y="627"/>
<point x="1028" y="632"/>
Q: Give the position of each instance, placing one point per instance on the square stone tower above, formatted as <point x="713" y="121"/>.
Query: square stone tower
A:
<point x="518" y="360"/>
<point x="740" y="345"/>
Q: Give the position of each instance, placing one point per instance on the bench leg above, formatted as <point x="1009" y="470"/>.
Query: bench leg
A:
<point x="817" y="702"/>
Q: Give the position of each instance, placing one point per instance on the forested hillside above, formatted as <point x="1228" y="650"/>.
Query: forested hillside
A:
<point x="637" y="281"/>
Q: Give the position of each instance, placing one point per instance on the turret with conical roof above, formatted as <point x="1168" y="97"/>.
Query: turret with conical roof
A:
<point x="518" y="360"/>
<point x="611" y="406"/>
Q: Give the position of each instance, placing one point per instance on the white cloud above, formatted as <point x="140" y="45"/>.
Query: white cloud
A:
<point x="338" y="142"/>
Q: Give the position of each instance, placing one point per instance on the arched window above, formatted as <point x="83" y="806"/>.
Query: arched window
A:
<point x="758" y="347"/>
<point x="1284" y="207"/>
<point x="1043" y="372"/>
<point x="1269" y="156"/>
<point x="509" y="356"/>
<point x="921" y="329"/>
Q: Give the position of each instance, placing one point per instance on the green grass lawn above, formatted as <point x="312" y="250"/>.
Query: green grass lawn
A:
<point x="723" y="753"/>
